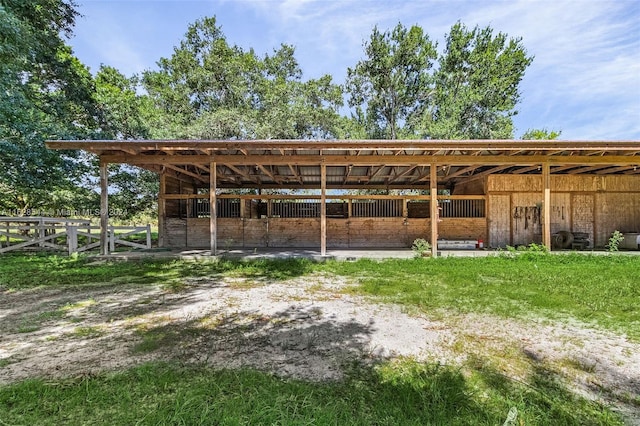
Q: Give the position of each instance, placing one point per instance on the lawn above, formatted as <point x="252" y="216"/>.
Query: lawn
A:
<point x="597" y="289"/>
<point x="601" y="291"/>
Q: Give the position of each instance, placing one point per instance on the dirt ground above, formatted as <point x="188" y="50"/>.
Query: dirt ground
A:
<point x="305" y="328"/>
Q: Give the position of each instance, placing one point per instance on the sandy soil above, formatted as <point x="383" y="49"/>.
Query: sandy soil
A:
<point x="304" y="328"/>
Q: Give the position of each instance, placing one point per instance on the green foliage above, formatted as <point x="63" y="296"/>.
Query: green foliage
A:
<point x="420" y="247"/>
<point x="471" y="93"/>
<point x="213" y="90"/>
<point x="532" y="248"/>
<point x="47" y="93"/>
<point x="393" y="82"/>
<point x="476" y="85"/>
<point x="615" y="240"/>
<point x="123" y="110"/>
<point x="541" y="134"/>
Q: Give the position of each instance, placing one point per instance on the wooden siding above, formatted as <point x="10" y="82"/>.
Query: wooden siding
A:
<point x="595" y="205"/>
<point x="305" y="232"/>
<point x="582" y="215"/>
<point x="615" y="211"/>
<point x="474" y="187"/>
<point x="175" y="232"/>
<point x="564" y="183"/>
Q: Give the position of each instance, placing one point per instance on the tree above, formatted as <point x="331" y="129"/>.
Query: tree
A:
<point x="471" y="92"/>
<point x="210" y="89"/>
<point x="125" y="114"/>
<point x="541" y="134"/>
<point x="393" y="82"/>
<point x="476" y="85"/>
<point x="47" y="93"/>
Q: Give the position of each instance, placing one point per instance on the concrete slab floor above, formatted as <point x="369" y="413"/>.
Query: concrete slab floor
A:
<point x="277" y="253"/>
<point x="310" y="253"/>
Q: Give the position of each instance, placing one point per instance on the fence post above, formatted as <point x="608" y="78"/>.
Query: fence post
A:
<point x="112" y="239"/>
<point x="72" y="238"/>
<point x="148" y="236"/>
<point x="40" y="233"/>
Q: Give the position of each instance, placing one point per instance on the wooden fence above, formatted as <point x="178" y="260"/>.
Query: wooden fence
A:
<point x="69" y="235"/>
<point x="305" y="206"/>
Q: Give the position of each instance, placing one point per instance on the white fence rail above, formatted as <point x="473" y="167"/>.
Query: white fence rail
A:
<point x="72" y="236"/>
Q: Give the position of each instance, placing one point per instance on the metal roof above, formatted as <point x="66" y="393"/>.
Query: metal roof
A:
<point x="361" y="164"/>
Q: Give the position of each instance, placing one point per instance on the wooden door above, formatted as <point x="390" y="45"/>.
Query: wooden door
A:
<point x="499" y="220"/>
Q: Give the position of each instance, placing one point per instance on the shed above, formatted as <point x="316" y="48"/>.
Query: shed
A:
<point x="503" y="192"/>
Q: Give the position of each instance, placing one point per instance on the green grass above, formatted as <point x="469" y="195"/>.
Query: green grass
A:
<point x="25" y="271"/>
<point x="603" y="290"/>
<point x="598" y="289"/>
<point x="400" y="393"/>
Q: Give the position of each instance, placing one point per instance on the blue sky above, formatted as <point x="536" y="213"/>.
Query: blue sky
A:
<point x="584" y="80"/>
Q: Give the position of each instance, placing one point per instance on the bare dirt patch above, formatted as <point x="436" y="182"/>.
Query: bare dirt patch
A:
<point x="304" y="328"/>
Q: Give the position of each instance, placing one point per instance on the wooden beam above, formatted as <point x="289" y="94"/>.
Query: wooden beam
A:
<point x="347" y="175"/>
<point x="378" y="170"/>
<point x="527" y="169"/>
<point x="323" y="210"/>
<point x="565" y="168"/>
<point x="243" y="174"/>
<point x="268" y="173"/>
<point x="162" y="211"/>
<point x="295" y="173"/>
<point x="104" y="208"/>
<point x="402" y="174"/>
<point x="614" y="170"/>
<point x="433" y="203"/>
<point x="387" y="160"/>
<point x="484" y="173"/>
<point x="186" y="172"/>
<point x="213" y="209"/>
<point x="587" y="169"/>
<point x="546" y="205"/>
<point x="461" y="172"/>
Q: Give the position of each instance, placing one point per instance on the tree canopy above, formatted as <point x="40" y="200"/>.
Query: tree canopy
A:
<point x="46" y="93"/>
<point x="209" y="88"/>
<point x="470" y="92"/>
<point x="393" y="82"/>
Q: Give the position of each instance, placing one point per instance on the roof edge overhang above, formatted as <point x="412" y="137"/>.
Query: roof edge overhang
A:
<point x="363" y="144"/>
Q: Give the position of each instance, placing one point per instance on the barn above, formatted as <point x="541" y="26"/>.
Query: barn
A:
<point x="383" y="193"/>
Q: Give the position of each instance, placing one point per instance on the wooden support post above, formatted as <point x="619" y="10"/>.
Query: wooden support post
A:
<point x="433" y="204"/>
<point x="323" y="210"/>
<point x="72" y="238"/>
<point x="213" y="207"/>
<point x="162" y="209"/>
<point x="546" y="205"/>
<point x="148" y="231"/>
<point x="104" y="208"/>
<point x="40" y="231"/>
<point x="112" y="239"/>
